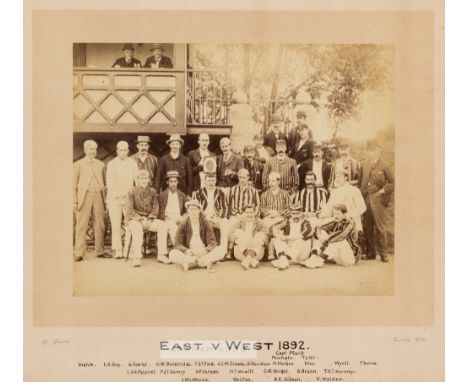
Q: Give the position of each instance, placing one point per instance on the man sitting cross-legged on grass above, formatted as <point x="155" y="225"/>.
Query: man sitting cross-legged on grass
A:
<point x="249" y="238"/>
<point x="335" y="240"/>
<point x="195" y="243"/>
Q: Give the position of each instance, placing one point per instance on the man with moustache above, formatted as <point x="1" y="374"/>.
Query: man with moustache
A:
<point x="275" y="132"/>
<point x="286" y="167"/>
<point x="144" y="160"/>
<point x="127" y="61"/>
<point x="302" y="149"/>
<point x="311" y="198"/>
<point x="88" y="198"/>
<point x="175" y="161"/>
<point x="121" y="175"/>
<point x="345" y="163"/>
<point x="293" y="135"/>
<point x="197" y="158"/>
<point x="319" y="167"/>
<point x="228" y="165"/>
<point x="254" y="167"/>
<point x="157" y="60"/>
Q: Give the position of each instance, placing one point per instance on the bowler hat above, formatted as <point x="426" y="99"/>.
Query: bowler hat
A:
<point x="276" y="118"/>
<point x="143" y="138"/>
<point x="175" y="137"/>
<point x="128" y="47"/>
<point x="156" y="46"/>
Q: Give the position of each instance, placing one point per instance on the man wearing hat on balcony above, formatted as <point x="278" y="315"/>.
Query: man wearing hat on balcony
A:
<point x="275" y="132"/>
<point x="172" y="204"/>
<point x="144" y="160"/>
<point x="157" y="60"/>
<point x="195" y="243"/>
<point x="377" y="187"/>
<point x="228" y="165"/>
<point x="197" y="159"/>
<point x="128" y="61"/>
<point x="175" y="161"/>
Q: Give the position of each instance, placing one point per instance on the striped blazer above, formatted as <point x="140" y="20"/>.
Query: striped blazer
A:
<point x="239" y="197"/>
<point x="271" y="202"/>
<point x="338" y="231"/>
<point x="220" y="201"/>
<point x="313" y="201"/>
<point x="287" y="168"/>
<point x="306" y="229"/>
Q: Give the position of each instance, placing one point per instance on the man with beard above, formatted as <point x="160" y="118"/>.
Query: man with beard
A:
<point x="286" y="167"/>
<point x="292" y="241"/>
<point x="195" y="243"/>
<point x="319" y="167"/>
<point x="127" y="61"/>
<point x="350" y="196"/>
<point x="144" y="160"/>
<point x="142" y="209"/>
<point x="214" y="207"/>
<point x="253" y="166"/>
<point x="88" y="198"/>
<point x="172" y="204"/>
<point x="275" y="133"/>
<point x="121" y="175"/>
<point x="175" y="161"/>
<point x="228" y="165"/>
<point x="345" y="163"/>
<point x="157" y="60"/>
<point x="197" y="158"/>
<point x="335" y="240"/>
<point x="312" y="199"/>
<point x="303" y="146"/>
<point x="249" y="238"/>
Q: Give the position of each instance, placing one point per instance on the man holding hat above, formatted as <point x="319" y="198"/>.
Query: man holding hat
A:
<point x="262" y="151"/>
<point x="286" y="167"/>
<point x="144" y="160"/>
<point x="321" y="169"/>
<point x="127" y="61"/>
<point x="228" y="165"/>
<point x="175" y="161"/>
<point x="197" y="159"/>
<point x="172" y="204"/>
<point x="275" y="132"/>
<point x="302" y="149"/>
<point x="195" y="243"/>
<point x="292" y="239"/>
<point x="377" y="186"/>
<point x="157" y="60"/>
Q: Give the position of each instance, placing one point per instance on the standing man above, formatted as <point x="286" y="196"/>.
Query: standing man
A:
<point x="321" y="169"/>
<point x="311" y="198"/>
<point x="121" y="174"/>
<point x="286" y="167"/>
<point x="262" y="151"/>
<point x="127" y="61"/>
<point x="214" y="207"/>
<point x="293" y="135"/>
<point x="253" y="166"/>
<point x="228" y="165"/>
<point x="195" y="243"/>
<point x="303" y="146"/>
<point x="275" y="132"/>
<point x="144" y="160"/>
<point x="157" y="60"/>
<point x="172" y="204"/>
<point x="142" y="209"/>
<point x="345" y="163"/>
<point x="197" y="158"/>
<point x="88" y="198"/>
<point x="377" y="186"/>
<point x="175" y="161"/>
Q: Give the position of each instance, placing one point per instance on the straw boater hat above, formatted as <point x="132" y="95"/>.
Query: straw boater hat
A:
<point x="193" y="203"/>
<point x="175" y="137"/>
<point x="157" y="46"/>
<point x="172" y="174"/>
<point x="143" y="138"/>
<point x="128" y="47"/>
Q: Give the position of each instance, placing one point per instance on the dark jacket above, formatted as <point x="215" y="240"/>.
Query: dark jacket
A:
<point x="184" y="234"/>
<point x="293" y="138"/>
<point x="134" y="63"/>
<point x="165" y="62"/>
<point x="141" y="203"/>
<point x="377" y="176"/>
<point x="195" y="158"/>
<point x="255" y="172"/>
<point x="163" y="203"/>
<point x="285" y="227"/>
<point x="234" y="163"/>
<point x="303" y="153"/>
<point x="270" y="140"/>
<point x="182" y="165"/>
<point x="308" y="165"/>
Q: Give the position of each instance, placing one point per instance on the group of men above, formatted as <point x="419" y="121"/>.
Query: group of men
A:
<point x="155" y="61"/>
<point x="280" y="202"/>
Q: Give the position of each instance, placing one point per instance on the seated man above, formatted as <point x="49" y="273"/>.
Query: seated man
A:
<point x="214" y="207"/>
<point x="335" y="239"/>
<point x="240" y="195"/>
<point x="172" y="204"/>
<point x="249" y="238"/>
<point x="195" y="243"/>
<point x="292" y="241"/>
<point x="274" y="202"/>
<point x="142" y="210"/>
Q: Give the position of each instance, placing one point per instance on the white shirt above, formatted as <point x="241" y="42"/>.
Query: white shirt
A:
<point x="196" y="242"/>
<point x="317" y="165"/>
<point x="121" y="175"/>
<point x="210" y="208"/>
<point x="249" y="229"/>
<point x="294" y="228"/>
<point x="172" y="207"/>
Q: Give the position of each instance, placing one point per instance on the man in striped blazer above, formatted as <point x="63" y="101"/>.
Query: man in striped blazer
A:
<point x="312" y="199"/>
<point x="214" y="207"/>
<point x="274" y="203"/>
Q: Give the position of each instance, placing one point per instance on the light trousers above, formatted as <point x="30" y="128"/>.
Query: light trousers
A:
<point x="296" y="250"/>
<point x="243" y="242"/>
<point x="137" y="229"/>
<point x="116" y="211"/>
<point x="201" y="255"/>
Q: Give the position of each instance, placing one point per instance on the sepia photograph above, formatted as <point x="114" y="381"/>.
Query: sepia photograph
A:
<point x="233" y="169"/>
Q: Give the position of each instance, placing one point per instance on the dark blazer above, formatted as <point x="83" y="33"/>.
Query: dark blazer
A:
<point x="377" y="176"/>
<point x="255" y="172"/>
<point x="165" y="62"/>
<point x="308" y="165"/>
<point x="303" y="153"/>
<point x="184" y="234"/>
<point x="293" y="137"/>
<point x="163" y="196"/>
<point x="182" y="165"/>
<point x="82" y="173"/>
<point x="134" y="63"/>
<point x="195" y="158"/>
<point x="270" y="140"/>
<point x="220" y="201"/>
<point x="141" y="203"/>
<point x="234" y="163"/>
